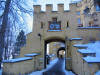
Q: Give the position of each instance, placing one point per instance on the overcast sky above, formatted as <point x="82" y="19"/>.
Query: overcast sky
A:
<point x="54" y="2"/>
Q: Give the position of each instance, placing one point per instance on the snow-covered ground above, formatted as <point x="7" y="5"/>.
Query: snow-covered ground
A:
<point x="97" y="73"/>
<point x="0" y="72"/>
<point x="48" y="67"/>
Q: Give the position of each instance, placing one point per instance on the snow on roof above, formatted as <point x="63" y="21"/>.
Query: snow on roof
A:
<point x="88" y="27"/>
<point x="85" y="51"/>
<point x="95" y="47"/>
<point x="80" y="45"/>
<point x="17" y="60"/>
<point x="31" y="55"/>
<point x="97" y="73"/>
<point x="89" y="59"/>
<point x="83" y="45"/>
<point x="91" y="48"/>
<point x="76" y="39"/>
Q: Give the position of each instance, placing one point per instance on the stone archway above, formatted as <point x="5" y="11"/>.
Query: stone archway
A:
<point x="61" y="52"/>
<point x="49" y="40"/>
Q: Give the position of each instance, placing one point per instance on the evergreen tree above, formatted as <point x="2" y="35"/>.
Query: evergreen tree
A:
<point x="20" y="42"/>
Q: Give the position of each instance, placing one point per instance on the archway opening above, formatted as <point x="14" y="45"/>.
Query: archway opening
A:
<point x="61" y="52"/>
<point x="53" y="49"/>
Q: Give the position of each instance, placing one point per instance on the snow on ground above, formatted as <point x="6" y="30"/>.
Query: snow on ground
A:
<point x="0" y="72"/>
<point x="95" y="47"/>
<point x="49" y="66"/>
<point x="98" y="73"/>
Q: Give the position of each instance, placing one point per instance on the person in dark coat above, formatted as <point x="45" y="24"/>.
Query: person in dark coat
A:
<point x="48" y="59"/>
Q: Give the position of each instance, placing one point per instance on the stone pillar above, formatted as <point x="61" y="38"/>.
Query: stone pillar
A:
<point x="68" y="55"/>
<point x="75" y="55"/>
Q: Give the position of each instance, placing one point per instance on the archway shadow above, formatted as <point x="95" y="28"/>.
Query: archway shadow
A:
<point x="49" y="40"/>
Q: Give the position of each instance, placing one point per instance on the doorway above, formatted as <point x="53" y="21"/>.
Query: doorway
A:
<point x="61" y="52"/>
<point x="53" y="49"/>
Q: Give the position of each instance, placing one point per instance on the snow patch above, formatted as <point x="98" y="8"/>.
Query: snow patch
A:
<point x="90" y="59"/>
<point x="17" y="60"/>
<point x="97" y="73"/>
<point x="70" y="73"/>
<point x="95" y="47"/>
<point x="91" y="48"/>
<point x="53" y="62"/>
<point x="48" y="67"/>
<point x="0" y="72"/>
<point x="81" y="45"/>
<point x="76" y="39"/>
<point x="85" y="51"/>
<point x="31" y="55"/>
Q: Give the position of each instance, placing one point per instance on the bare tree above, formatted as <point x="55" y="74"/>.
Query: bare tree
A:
<point x="20" y="42"/>
<point x="12" y="19"/>
<point x="3" y="28"/>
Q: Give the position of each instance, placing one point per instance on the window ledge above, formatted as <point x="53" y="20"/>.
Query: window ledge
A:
<point x="55" y="30"/>
<point x="88" y="27"/>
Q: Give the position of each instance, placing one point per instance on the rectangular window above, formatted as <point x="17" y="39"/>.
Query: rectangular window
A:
<point x="54" y="26"/>
<point x="54" y="19"/>
<point x="67" y="24"/>
<point x="79" y="21"/>
<point x="41" y="25"/>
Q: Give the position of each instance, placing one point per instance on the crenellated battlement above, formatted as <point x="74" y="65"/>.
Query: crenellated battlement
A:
<point x="37" y="8"/>
<point x="49" y="7"/>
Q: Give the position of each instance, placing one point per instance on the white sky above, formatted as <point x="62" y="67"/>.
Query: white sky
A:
<point x="54" y="2"/>
<point x="44" y="2"/>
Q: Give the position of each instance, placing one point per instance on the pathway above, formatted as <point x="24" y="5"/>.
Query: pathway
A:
<point x="57" y="69"/>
